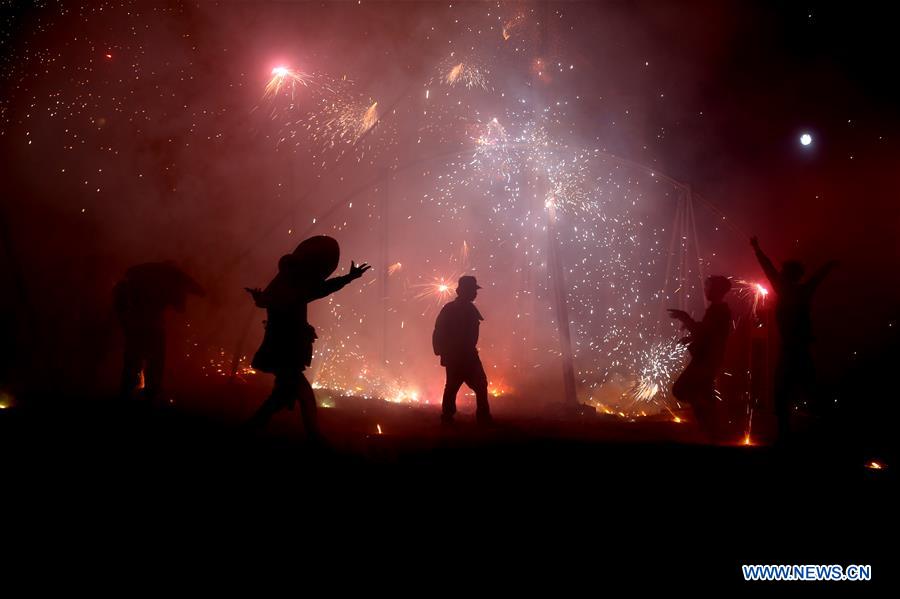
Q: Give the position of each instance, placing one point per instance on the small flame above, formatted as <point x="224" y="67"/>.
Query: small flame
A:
<point x="873" y="465"/>
<point x="378" y="426"/>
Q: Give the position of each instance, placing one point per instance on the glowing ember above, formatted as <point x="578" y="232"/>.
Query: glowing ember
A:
<point x="875" y="466"/>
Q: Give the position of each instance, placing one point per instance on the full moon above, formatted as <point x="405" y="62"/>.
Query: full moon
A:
<point x="806" y="139"/>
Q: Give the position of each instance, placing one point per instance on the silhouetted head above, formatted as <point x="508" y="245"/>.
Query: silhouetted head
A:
<point x="316" y="257"/>
<point x="467" y="288"/>
<point x="792" y="270"/>
<point x="716" y="287"/>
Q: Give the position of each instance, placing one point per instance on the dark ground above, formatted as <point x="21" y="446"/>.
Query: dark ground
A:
<point x="543" y="505"/>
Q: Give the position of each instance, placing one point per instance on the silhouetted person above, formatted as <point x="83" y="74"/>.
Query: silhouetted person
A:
<point x="706" y="344"/>
<point x="141" y="299"/>
<point x="455" y="340"/>
<point x="793" y="305"/>
<point x="287" y="346"/>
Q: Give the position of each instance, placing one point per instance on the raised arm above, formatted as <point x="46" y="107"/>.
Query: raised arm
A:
<point x="767" y="266"/>
<point x="337" y="283"/>
<point x="819" y="276"/>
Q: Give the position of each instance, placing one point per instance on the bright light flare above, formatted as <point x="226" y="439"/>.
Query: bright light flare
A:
<point x="283" y="77"/>
<point x="440" y="289"/>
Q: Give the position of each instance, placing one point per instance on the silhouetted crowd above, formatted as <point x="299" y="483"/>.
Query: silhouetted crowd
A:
<point x="147" y="290"/>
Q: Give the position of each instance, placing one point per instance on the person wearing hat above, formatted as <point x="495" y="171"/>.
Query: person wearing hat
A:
<point x="287" y="347"/>
<point x="455" y="340"/>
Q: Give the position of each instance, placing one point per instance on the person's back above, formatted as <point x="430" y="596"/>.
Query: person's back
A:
<point x="455" y="340"/>
<point x="456" y="330"/>
<point x="141" y="299"/>
<point x="706" y="343"/>
<point x="708" y="349"/>
<point x="793" y="308"/>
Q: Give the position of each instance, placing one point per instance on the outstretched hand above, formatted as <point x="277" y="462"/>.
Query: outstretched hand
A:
<point x="254" y="291"/>
<point x="357" y="271"/>
<point x="679" y="315"/>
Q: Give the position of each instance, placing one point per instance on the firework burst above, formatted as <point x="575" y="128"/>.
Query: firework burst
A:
<point x="283" y="79"/>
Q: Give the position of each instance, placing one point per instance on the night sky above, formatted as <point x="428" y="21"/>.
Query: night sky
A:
<point x="138" y="131"/>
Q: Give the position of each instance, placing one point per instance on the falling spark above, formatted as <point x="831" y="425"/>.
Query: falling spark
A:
<point x="368" y="119"/>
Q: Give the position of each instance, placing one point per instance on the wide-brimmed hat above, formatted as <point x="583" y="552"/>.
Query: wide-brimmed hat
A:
<point x="467" y="282"/>
<point x="318" y="255"/>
